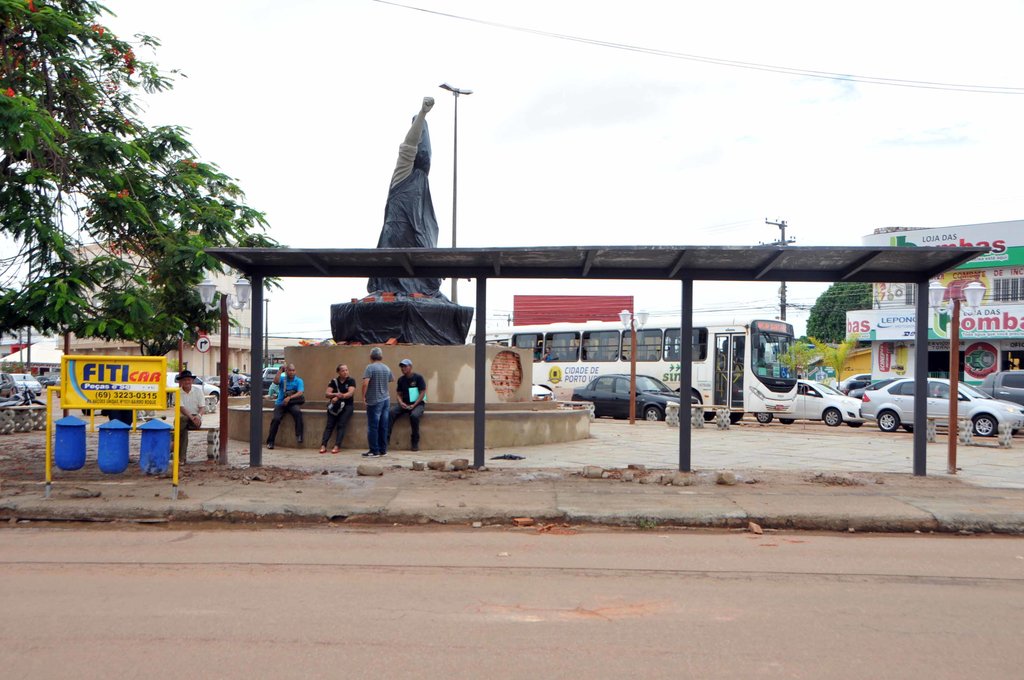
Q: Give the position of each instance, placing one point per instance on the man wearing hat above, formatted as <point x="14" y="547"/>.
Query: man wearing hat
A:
<point x="412" y="393"/>
<point x="192" y="404"/>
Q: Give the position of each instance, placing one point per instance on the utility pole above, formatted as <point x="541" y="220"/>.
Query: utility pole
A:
<point x="783" y="241"/>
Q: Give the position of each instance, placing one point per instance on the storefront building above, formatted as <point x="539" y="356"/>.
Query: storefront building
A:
<point x="991" y="336"/>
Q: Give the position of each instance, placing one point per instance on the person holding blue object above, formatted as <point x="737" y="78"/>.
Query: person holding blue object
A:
<point x="290" y="398"/>
<point x="376" y="379"/>
<point x="412" y="395"/>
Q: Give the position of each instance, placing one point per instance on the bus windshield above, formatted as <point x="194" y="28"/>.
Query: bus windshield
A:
<point x="767" y="351"/>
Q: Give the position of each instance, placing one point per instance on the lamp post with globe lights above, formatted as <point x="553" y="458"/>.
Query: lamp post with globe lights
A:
<point x="630" y="322"/>
<point x="240" y="300"/>
<point x="972" y="294"/>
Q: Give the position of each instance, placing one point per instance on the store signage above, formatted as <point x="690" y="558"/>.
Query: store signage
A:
<point x="113" y="382"/>
<point x="1006" y="239"/>
<point x="990" y="321"/>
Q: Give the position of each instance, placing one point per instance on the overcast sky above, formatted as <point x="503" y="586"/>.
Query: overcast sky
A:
<point x="608" y="133"/>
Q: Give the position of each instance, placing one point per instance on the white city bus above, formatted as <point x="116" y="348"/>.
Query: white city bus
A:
<point x="737" y="366"/>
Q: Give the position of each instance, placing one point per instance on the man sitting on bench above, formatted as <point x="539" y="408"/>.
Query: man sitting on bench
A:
<point x="412" y="394"/>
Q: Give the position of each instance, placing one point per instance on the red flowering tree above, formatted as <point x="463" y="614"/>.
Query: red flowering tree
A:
<point x="104" y="221"/>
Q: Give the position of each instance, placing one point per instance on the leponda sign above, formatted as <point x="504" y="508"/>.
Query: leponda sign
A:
<point x="113" y="382"/>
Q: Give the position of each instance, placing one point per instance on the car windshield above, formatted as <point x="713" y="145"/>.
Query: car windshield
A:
<point x="972" y="393"/>
<point x="647" y="384"/>
<point x="825" y="389"/>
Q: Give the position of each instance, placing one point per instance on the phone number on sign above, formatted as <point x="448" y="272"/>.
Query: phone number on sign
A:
<point x="126" y="398"/>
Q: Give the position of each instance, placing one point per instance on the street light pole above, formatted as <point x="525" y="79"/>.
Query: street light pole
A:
<point x="629" y="321"/>
<point x="974" y="292"/>
<point x="455" y="175"/>
<point x="207" y="291"/>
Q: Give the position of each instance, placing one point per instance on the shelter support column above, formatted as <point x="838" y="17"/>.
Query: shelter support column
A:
<point x="480" y="374"/>
<point x="256" y="375"/>
<point x="685" y="376"/>
<point x="921" y="381"/>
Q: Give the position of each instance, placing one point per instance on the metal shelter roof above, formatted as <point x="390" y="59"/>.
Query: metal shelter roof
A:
<point x="698" y="263"/>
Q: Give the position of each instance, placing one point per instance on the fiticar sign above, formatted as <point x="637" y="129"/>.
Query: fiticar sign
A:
<point x="113" y="382"/>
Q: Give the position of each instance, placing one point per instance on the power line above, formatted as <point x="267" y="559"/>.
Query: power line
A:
<point x="755" y="66"/>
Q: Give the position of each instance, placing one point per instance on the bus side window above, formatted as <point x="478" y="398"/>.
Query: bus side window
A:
<point x="648" y="345"/>
<point x="600" y="345"/>
<point x="563" y="346"/>
<point x="530" y="341"/>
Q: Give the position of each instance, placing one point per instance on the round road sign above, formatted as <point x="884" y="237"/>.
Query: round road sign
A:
<point x="203" y="344"/>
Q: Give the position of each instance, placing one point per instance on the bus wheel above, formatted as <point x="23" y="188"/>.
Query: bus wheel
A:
<point x="735" y="417"/>
<point x="764" y="418"/>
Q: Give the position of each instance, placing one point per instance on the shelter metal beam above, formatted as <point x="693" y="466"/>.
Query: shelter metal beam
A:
<point x="589" y="262"/>
<point x="685" y="375"/>
<point x="768" y="266"/>
<point x="860" y="264"/>
<point x="677" y="265"/>
<point x="256" y="381"/>
<point x="921" y="382"/>
<point x="316" y="264"/>
<point x="407" y="264"/>
<point x="480" y="373"/>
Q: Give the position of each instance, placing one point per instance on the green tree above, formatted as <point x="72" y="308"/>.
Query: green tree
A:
<point x="827" y="320"/>
<point x="798" y="357"/>
<point x="834" y="356"/>
<point x="104" y="221"/>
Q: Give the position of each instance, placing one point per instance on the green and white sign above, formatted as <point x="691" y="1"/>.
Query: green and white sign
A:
<point x="1006" y="239"/>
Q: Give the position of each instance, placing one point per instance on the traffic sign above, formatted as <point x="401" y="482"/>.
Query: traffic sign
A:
<point x="203" y="344"/>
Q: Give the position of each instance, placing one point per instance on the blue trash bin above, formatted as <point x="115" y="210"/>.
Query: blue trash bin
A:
<point x="155" y="453"/>
<point x="69" y="447"/>
<point x="112" y="454"/>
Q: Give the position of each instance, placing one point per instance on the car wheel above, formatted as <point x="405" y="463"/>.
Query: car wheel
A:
<point x="764" y="418"/>
<point x="787" y="421"/>
<point x="709" y="415"/>
<point x="652" y="413"/>
<point x="735" y="417"/>
<point x="985" y="425"/>
<point x="888" y="421"/>
<point x="832" y="417"/>
<point x="855" y="424"/>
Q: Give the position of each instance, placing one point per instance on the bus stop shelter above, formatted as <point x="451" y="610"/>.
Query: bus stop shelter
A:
<point x="684" y="264"/>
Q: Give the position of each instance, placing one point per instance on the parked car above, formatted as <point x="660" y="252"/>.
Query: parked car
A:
<point x="208" y="389"/>
<point x="27" y="381"/>
<point x="1005" y="385"/>
<point x="541" y="393"/>
<point x="892" y="407"/>
<point x="268" y="377"/>
<point x="610" y="396"/>
<point x="50" y="380"/>
<point x="8" y="388"/>
<point x="816" y="401"/>
<point x="876" y="385"/>
<point x="854" y="382"/>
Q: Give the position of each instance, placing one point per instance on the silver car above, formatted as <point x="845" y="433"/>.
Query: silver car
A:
<point x="892" y="407"/>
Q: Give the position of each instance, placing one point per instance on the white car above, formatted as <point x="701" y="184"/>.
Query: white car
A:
<point x="892" y="407"/>
<point x="815" y="401"/>
<point x="208" y="389"/>
<point x="26" y="381"/>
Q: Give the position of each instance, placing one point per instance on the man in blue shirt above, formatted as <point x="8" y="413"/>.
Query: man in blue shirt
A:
<point x="290" y="399"/>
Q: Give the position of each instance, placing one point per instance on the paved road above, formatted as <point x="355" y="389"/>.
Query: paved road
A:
<point x="498" y="603"/>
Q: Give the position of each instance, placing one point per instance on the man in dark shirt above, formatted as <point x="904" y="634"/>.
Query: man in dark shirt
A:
<point x="412" y="394"/>
<point x="340" y="405"/>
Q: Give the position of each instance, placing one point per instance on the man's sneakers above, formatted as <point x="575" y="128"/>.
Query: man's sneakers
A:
<point x="375" y="454"/>
<point x="270" y="445"/>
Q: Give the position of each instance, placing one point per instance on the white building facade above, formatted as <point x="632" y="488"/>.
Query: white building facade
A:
<point x="991" y="336"/>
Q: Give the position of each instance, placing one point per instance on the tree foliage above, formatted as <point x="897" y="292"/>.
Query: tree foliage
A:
<point x="827" y="320"/>
<point x="798" y="357"/>
<point x="834" y="356"/>
<point x="104" y="221"/>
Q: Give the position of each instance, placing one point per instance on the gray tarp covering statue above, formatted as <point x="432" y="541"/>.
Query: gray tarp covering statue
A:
<point x="409" y="222"/>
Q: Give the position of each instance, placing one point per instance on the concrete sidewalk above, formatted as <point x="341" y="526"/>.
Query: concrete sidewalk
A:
<point x="789" y="477"/>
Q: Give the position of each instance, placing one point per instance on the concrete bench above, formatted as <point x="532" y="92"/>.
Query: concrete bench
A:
<point x="22" y="418"/>
<point x="965" y="433"/>
<point x="696" y="415"/>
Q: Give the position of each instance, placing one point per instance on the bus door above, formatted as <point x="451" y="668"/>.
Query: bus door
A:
<point x="729" y="349"/>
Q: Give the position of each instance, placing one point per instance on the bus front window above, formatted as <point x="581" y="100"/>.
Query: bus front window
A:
<point x="769" y="349"/>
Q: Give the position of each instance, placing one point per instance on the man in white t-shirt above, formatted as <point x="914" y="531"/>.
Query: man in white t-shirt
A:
<point x="192" y="403"/>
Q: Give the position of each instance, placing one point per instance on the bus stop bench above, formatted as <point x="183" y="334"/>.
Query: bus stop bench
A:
<point x="696" y="415"/>
<point x="965" y="433"/>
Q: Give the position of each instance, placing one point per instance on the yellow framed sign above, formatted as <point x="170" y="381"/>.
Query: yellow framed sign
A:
<point x="124" y="382"/>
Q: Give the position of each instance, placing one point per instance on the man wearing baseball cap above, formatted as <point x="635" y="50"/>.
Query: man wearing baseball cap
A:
<point x="192" y="404"/>
<point x="412" y="393"/>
